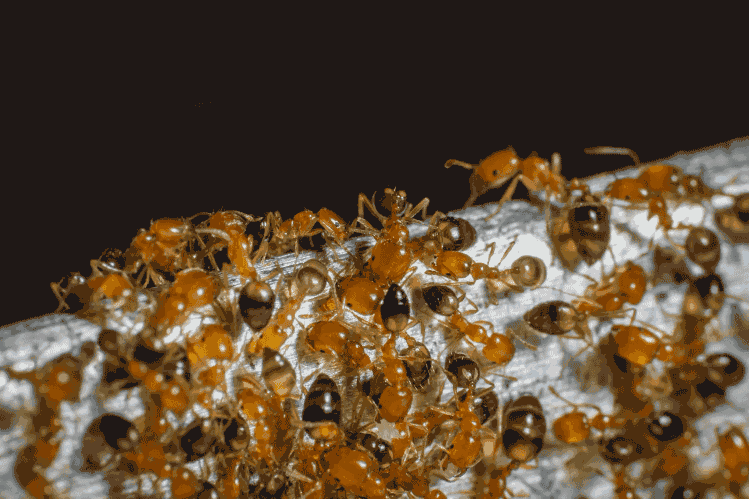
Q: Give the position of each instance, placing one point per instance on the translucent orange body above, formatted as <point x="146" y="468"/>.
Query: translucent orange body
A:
<point x="637" y="345"/>
<point x="112" y="285"/>
<point x="454" y="264"/>
<point x="46" y="452"/>
<point x="62" y="382"/>
<point x="537" y="170"/>
<point x="361" y="295"/>
<point x="327" y="336"/>
<point x="632" y="283"/>
<point x="633" y="190"/>
<point x="333" y="224"/>
<point x="499" y="349"/>
<point x="572" y="427"/>
<point x="278" y="330"/>
<point x="227" y="222"/>
<point x="175" y="396"/>
<point x="184" y="483"/>
<point x="672" y="462"/>
<point x="355" y="355"/>
<point x="661" y="178"/>
<point x="734" y="448"/>
<point x="196" y="286"/>
<point x="150" y="457"/>
<point x="214" y="343"/>
<point x="396" y="232"/>
<point x="498" y="166"/>
<point x="603" y="422"/>
<point x="304" y="222"/>
<point x="395" y="403"/>
<point x="464" y="450"/>
<point x="389" y="261"/>
<point x="169" y="232"/>
<point x="657" y="207"/>
<point x="353" y="470"/>
<point x="239" y="255"/>
<point x="39" y="487"/>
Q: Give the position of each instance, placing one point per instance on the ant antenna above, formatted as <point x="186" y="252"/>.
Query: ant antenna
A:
<point x="609" y="150"/>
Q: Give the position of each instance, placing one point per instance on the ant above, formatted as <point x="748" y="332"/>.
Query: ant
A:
<point x="575" y="427"/>
<point x="191" y="290"/>
<point x="310" y="280"/>
<point x="227" y="228"/>
<point x="535" y="173"/>
<point x="733" y="221"/>
<point x="582" y="230"/>
<point x="164" y="249"/>
<point x="442" y="300"/>
<point x="624" y="284"/>
<point x="401" y="212"/>
<point x="524" y="426"/>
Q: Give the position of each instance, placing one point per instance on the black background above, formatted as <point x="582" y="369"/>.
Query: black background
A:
<point x="116" y="123"/>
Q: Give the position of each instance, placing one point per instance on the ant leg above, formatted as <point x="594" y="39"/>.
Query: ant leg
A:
<point x="363" y="202"/>
<point x="368" y="229"/>
<point x="476" y="309"/>
<point x="512" y="335"/>
<point x="472" y="198"/>
<point x="412" y="211"/>
<point x="508" y="193"/>
<point x="435" y="217"/>
<point x="467" y="166"/>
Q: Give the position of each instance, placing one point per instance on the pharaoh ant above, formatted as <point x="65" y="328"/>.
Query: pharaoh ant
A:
<point x="575" y="427"/>
<point x="582" y="231"/>
<point x="309" y="280"/>
<point x="733" y="221"/>
<point x="164" y="249"/>
<point x="442" y="300"/>
<point x="535" y="173"/>
<point x="227" y="228"/>
<point x="285" y="235"/>
<point x="526" y="272"/>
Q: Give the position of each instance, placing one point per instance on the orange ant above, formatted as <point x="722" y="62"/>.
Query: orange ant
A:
<point x="664" y="179"/>
<point x="310" y="280"/>
<point x="442" y="300"/>
<point x="285" y="235"/>
<point x="107" y="289"/>
<point x="164" y="248"/>
<point x="575" y="427"/>
<point x="228" y="228"/>
<point x="526" y="272"/>
<point x="495" y="170"/>
<point x="335" y="337"/>
<point x="391" y="257"/>
<point x="624" y="284"/>
<point x="191" y="290"/>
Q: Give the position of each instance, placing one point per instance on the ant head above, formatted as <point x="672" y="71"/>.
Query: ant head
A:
<point x="394" y="201"/>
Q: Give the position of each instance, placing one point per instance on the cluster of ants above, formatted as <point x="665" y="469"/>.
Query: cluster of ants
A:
<point x="373" y="422"/>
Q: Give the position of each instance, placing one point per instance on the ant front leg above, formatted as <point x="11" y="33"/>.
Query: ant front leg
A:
<point x="422" y="205"/>
<point x="365" y="227"/>
<point x="363" y="202"/>
<point x="508" y="193"/>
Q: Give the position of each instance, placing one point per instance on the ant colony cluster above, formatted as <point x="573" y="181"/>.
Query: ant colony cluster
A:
<point x="323" y="380"/>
